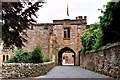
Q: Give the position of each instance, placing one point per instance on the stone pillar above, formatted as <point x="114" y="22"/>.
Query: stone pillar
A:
<point x="77" y="59"/>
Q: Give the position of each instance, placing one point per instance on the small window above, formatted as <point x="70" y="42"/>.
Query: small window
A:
<point x="31" y="27"/>
<point x="3" y="57"/>
<point x="67" y="33"/>
<point x="7" y="57"/>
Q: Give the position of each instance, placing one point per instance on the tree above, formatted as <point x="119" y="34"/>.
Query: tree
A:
<point x="104" y="32"/>
<point x="110" y="22"/>
<point x="92" y="38"/>
<point x="16" y="18"/>
<point x="107" y="31"/>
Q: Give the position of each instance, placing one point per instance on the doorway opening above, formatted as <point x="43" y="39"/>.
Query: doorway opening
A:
<point x="66" y="56"/>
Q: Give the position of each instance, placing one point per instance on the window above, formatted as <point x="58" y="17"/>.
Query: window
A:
<point x="31" y="27"/>
<point x="7" y="57"/>
<point x="67" y="33"/>
<point x="3" y="57"/>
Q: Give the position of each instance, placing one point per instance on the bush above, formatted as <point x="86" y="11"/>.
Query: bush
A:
<point x="12" y="60"/>
<point x="37" y="56"/>
<point x="21" y="56"/>
<point x="46" y="59"/>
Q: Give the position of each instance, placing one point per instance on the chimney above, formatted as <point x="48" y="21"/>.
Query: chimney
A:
<point x="76" y="18"/>
<point x="80" y="17"/>
<point x="85" y="19"/>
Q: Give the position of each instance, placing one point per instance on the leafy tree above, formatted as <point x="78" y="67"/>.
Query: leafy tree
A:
<point x="107" y="31"/>
<point x="92" y="38"/>
<point x="110" y="22"/>
<point x="16" y="18"/>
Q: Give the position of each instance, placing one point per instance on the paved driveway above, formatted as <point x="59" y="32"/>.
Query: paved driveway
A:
<point x="68" y="73"/>
<point x="71" y="72"/>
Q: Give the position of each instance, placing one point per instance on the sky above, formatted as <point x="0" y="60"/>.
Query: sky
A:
<point x="57" y="9"/>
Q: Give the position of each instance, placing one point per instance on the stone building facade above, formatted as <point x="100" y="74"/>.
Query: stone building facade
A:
<point x="67" y="34"/>
<point x="61" y="36"/>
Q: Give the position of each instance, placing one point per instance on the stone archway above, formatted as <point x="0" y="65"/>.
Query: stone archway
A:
<point x="60" y="53"/>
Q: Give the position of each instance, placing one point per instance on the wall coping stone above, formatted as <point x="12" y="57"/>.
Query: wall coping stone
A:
<point x="29" y="63"/>
<point x="108" y="46"/>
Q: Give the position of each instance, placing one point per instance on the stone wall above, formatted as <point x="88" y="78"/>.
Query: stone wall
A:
<point x="39" y="35"/>
<point x="106" y="61"/>
<point x="73" y="42"/>
<point x="23" y="70"/>
<point x="68" y="57"/>
<point x="48" y="35"/>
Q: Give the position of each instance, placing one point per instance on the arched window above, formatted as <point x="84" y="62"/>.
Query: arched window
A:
<point x="7" y="57"/>
<point x="3" y="57"/>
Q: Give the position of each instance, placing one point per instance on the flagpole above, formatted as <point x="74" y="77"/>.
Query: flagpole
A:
<point x="68" y="11"/>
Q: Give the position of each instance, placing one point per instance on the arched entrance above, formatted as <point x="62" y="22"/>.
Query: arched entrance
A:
<point x="65" y="50"/>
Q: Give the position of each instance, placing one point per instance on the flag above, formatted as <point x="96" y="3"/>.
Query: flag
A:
<point x="67" y="10"/>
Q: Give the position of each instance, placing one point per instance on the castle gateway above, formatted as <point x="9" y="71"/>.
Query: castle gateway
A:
<point x="61" y="39"/>
<point x="65" y="42"/>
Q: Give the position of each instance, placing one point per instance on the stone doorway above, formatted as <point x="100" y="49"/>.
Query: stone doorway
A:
<point x="66" y="56"/>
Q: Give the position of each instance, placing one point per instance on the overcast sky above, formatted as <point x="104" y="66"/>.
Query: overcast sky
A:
<point x="57" y="9"/>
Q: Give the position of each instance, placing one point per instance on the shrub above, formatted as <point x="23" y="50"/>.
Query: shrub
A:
<point x="37" y="56"/>
<point x="21" y="56"/>
<point x="46" y="59"/>
<point x="12" y="60"/>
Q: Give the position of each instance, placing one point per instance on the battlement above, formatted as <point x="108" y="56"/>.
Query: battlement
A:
<point x="78" y="21"/>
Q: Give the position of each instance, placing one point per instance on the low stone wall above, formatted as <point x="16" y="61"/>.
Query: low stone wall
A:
<point x="23" y="70"/>
<point x="106" y="61"/>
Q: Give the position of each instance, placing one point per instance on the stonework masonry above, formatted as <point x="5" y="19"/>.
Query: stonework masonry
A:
<point x="38" y="35"/>
<point x="68" y="58"/>
<point x="106" y="61"/>
<point x="25" y="70"/>
<point x="51" y="36"/>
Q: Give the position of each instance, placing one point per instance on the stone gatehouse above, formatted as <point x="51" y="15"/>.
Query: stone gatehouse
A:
<point x="61" y="39"/>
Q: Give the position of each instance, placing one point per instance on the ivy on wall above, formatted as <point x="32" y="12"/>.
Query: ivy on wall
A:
<point x="104" y="32"/>
<point x="92" y="38"/>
